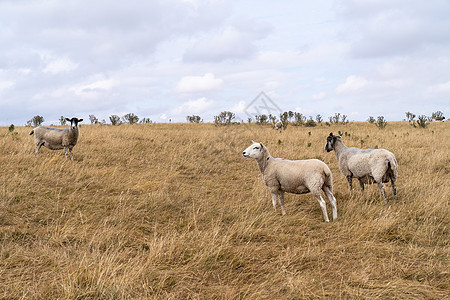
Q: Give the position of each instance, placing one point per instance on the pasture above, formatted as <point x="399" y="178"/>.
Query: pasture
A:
<point x="173" y="211"/>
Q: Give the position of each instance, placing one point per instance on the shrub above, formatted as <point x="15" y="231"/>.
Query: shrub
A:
<point x="145" y="121"/>
<point x="62" y="121"/>
<point x="422" y="121"/>
<point x="36" y="121"/>
<point x="437" y="116"/>
<point x="371" y="120"/>
<point x="310" y="123"/>
<point x="93" y="119"/>
<point x="261" y="119"/>
<point x="299" y="119"/>
<point x="193" y="119"/>
<point x="115" y="119"/>
<point x="319" y="119"/>
<point x="224" y="118"/>
<point x="130" y="118"/>
<point x="381" y="122"/>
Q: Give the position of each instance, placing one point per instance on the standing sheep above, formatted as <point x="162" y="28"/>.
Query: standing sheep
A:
<point x="278" y="125"/>
<point x="55" y="138"/>
<point x="368" y="165"/>
<point x="293" y="176"/>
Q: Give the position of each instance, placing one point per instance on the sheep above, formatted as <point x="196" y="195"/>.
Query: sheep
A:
<point x="293" y="176"/>
<point x="55" y="138"/>
<point x="368" y="165"/>
<point x="278" y="125"/>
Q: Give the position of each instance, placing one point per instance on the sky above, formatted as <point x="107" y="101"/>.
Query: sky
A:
<point x="167" y="59"/>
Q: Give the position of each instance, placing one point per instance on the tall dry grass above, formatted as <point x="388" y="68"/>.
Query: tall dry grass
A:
<point x="173" y="211"/>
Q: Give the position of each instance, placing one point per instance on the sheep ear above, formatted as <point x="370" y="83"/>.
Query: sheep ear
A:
<point x="68" y="120"/>
<point x="331" y="134"/>
<point x="252" y="141"/>
<point x="262" y="146"/>
<point x="80" y="120"/>
<point x="341" y="135"/>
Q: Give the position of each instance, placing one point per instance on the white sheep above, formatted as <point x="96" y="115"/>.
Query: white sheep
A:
<point x="278" y="125"/>
<point x="56" y="138"/>
<point x="368" y="165"/>
<point x="293" y="176"/>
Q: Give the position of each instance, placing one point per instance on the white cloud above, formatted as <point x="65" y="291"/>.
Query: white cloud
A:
<point x="356" y="85"/>
<point x="163" y="117"/>
<point x="239" y="108"/>
<point x="439" y="88"/>
<point x="232" y="42"/>
<point x="6" y="84"/>
<point x="60" y="65"/>
<point x="194" y="84"/>
<point x="319" y="96"/>
<point x="97" y="85"/>
<point x="194" y="107"/>
<point x="352" y="84"/>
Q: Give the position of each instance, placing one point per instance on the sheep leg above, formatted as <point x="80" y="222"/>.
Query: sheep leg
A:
<point x="274" y="200"/>
<point x="71" y="154"/>
<point x="323" y="206"/>
<point x="65" y="151"/>
<point x="350" y="179"/>
<point x="281" y="201"/>
<point x="38" y="146"/>
<point x="394" y="188"/>
<point x="380" y="185"/>
<point x="332" y="200"/>
<point x="361" y="185"/>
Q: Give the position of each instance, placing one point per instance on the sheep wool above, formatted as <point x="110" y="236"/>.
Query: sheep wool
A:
<point x="368" y="165"/>
<point x="56" y="138"/>
<point x="293" y="176"/>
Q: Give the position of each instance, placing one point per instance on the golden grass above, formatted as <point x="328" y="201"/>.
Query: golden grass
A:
<point x="173" y="211"/>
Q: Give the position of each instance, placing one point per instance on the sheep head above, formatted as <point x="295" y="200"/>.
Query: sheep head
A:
<point x="74" y="122"/>
<point x="331" y="141"/>
<point x="256" y="151"/>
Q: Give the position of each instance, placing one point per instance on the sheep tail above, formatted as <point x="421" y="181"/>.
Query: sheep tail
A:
<point x="328" y="177"/>
<point x="31" y="132"/>
<point x="392" y="165"/>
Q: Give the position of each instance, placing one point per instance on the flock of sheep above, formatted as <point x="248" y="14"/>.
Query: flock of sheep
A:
<point x="280" y="175"/>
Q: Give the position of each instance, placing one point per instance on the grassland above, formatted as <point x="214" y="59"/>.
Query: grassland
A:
<point x="173" y="211"/>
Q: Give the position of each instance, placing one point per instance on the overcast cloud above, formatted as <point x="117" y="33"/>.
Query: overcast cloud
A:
<point x="171" y="58"/>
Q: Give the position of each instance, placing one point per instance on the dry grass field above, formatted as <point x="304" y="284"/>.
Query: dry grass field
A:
<point x="173" y="211"/>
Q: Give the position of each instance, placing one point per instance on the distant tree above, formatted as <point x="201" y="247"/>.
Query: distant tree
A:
<point x="410" y="118"/>
<point x="371" y="120"/>
<point x="272" y="119"/>
<point x="437" y="116"/>
<point x="224" y="118"/>
<point x="249" y="120"/>
<point x="93" y="119"/>
<point x="423" y="121"/>
<point x="145" y="121"/>
<point x="262" y="119"/>
<point x="62" y="121"/>
<point x="310" y="122"/>
<point x="299" y="119"/>
<point x="193" y="119"/>
<point x="36" y="121"/>
<point x="130" y="118"/>
<point x="319" y="119"/>
<point x="284" y="118"/>
<point x="381" y="122"/>
<point x="115" y="119"/>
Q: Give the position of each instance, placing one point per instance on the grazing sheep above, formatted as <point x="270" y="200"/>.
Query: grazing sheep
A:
<point x="278" y="125"/>
<point x="55" y="138"/>
<point x="293" y="176"/>
<point x="368" y="165"/>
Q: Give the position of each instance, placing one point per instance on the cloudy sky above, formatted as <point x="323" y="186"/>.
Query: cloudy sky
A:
<point x="166" y="59"/>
